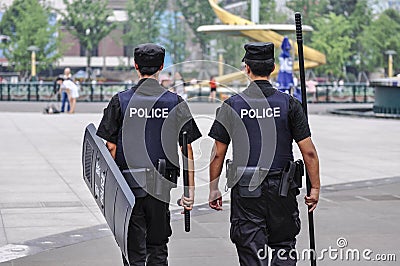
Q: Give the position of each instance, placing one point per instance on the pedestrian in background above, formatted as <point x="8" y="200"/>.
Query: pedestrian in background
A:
<point x="64" y="93"/>
<point x="213" y="89"/>
<point x="72" y="88"/>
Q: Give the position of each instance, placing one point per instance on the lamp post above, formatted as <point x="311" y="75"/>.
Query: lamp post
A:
<point x="221" y="61"/>
<point x="390" y="53"/>
<point x="255" y="11"/>
<point x="33" y="49"/>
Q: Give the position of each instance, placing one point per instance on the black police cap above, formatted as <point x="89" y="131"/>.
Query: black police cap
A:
<point x="149" y="55"/>
<point x="259" y="51"/>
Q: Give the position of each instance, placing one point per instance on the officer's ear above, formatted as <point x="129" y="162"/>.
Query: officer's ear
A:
<point x="248" y="70"/>
<point x="136" y="66"/>
<point x="161" y="67"/>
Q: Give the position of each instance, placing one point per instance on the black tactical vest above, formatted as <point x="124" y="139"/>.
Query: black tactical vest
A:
<point x="261" y="136"/>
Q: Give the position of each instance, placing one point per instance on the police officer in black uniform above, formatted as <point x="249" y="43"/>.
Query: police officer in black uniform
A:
<point x="142" y="126"/>
<point x="262" y="124"/>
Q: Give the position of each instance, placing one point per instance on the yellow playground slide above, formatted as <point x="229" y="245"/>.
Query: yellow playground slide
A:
<point x="312" y="57"/>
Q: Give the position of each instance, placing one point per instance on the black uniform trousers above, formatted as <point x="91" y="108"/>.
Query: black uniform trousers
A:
<point x="149" y="232"/>
<point x="268" y="220"/>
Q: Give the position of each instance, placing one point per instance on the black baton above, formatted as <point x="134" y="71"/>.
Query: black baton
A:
<point x="299" y="35"/>
<point x="186" y="178"/>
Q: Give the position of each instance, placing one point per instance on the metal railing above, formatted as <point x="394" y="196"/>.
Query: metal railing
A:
<point x="45" y="91"/>
<point x="348" y="92"/>
<point x="325" y="92"/>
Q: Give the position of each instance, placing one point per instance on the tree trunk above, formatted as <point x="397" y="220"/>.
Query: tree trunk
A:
<point x="88" y="61"/>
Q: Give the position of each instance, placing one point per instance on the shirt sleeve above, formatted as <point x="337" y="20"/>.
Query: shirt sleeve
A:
<point x="186" y="123"/>
<point x="222" y="124"/>
<point x="298" y="121"/>
<point x="111" y="122"/>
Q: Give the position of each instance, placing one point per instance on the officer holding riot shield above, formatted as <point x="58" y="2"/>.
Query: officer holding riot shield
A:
<point x="262" y="123"/>
<point x="143" y="127"/>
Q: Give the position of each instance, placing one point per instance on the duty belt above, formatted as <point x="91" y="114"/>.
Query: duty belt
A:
<point x="150" y="180"/>
<point x="270" y="172"/>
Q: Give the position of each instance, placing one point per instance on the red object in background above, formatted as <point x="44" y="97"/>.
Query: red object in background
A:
<point x="213" y="84"/>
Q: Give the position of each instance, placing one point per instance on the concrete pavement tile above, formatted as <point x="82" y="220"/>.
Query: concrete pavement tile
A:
<point x="214" y="216"/>
<point x="200" y="230"/>
<point x="205" y="247"/>
<point x="201" y="261"/>
<point x="3" y="236"/>
<point x="48" y="219"/>
<point x="19" y="186"/>
<point x="15" y="196"/>
<point x="48" y="210"/>
<point x="22" y="234"/>
<point x="100" y="252"/>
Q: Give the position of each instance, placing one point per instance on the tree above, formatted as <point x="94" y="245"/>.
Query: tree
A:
<point x="360" y="19"/>
<point x="342" y="7"/>
<point x="198" y="13"/>
<point x="310" y="9"/>
<point x="27" y="23"/>
<point x="332" y="37"/>
<point x="143" y="24"/>
<point x="268" y="12"/>
<point x="234" y="50"/>
<point x="89" y="22"/>
<point x="382" y="34"/>
<point x="174" y="36"/>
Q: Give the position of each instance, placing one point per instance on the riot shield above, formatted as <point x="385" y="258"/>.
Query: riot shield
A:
<point x="108" y="187"/>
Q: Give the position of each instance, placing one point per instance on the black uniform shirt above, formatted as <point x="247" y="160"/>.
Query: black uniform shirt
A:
<point x="112" y="120"/>
<point x="298" y="123"/>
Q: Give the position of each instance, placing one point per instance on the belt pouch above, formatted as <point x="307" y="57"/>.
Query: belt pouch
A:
<point x="137" y="181"/>
<point x="249" y="182"/>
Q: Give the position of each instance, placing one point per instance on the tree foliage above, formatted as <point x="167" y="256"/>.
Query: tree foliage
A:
<point x="310" y="9"/>
<point x="342" y="7"/>
<point x="268" y="12"/>
<point x="332" y="37"/>
<point x="89" y="22"/>
<point x="26" y="22"/>
<point x="360" y="19"/>
<point x="198" y="13"/>
<point x="349" y="35"/>
<point x="174" y="36"/>
<point x="234" y="50"/>
<point x="383" y="34"/>
<point x="144" y="21"/>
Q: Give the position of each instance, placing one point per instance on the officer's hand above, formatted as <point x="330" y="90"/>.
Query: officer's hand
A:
<point x="312" y="200"/>
<point x="215" y="200"/>
<point x="188" y="202"/>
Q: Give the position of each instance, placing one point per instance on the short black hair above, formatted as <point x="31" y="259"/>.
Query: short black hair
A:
<point x="146" y="70"/>
<point x="261" y="68"/>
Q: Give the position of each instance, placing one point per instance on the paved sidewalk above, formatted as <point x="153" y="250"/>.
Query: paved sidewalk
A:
<point x="365" y="216"/>
<point x="43" y="196"/>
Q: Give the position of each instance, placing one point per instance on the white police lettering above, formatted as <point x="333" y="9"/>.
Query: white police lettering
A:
<point x="149" y="113"/>
<point x="260" y="113"/>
